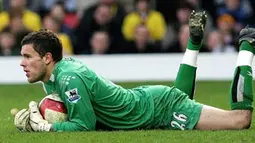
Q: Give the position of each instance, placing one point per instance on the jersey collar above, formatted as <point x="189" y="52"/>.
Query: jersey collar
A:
<point x="52" y="77"/>
<point x="54" y="74"/>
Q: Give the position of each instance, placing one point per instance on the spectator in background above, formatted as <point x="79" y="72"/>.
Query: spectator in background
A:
<point x="117" y="11"/>
<point x="30" y="19"/>
<point x="240" y="10"/>
<point x="100" y="42"/>
<point x="225" y="25"/>
<point x="58" y="12"/>
<point x="216" y="44"/>
<point x="53" y="24"/>
<point x="180" y="45"/>
<point x="142" y="42"/>
<point x="153" y="20"/>
<point x="7" y="44"/>
<point x="99" y="21"/>
<point x="46" y="6"/>
<point x="33" y="5"/>
<point x="212" y="6"/>
<point x="70" y="5"/>
<point x="182" y="16"/>
<point x="70" y="18"/>
<point x="17" y="28"/>
<point x="106" y="15"/>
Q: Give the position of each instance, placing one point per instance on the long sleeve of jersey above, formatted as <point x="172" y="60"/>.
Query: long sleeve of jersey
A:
<point x="73" y="92"/>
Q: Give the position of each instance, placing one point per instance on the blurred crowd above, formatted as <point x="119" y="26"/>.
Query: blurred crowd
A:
<point x="109" y="27"/>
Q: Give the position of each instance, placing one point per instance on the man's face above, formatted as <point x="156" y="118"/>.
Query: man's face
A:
<point x="142" y="34"/>
<point x="32" y="64"/>
<point x="183" y="15"/>
<point x="142" y="6"/>
<point x="214" y="39"/>
<point x="100" y="42"/>
<point x="17" y="3"/>
<point x="102" y="15"/>
<point x="6" y="40"/>
<point x="58" y="12"/>
<point x="50" y="24"/>
<point x="16" y="24"/>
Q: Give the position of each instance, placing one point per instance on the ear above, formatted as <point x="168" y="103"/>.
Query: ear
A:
<point x="48" y="58"/>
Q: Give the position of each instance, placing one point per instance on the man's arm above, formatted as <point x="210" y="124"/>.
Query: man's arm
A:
<point x="75" y="95"/>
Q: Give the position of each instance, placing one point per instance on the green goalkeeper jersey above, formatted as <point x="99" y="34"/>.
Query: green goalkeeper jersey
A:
<point x="91" y="99"/>
<point x="93" y="102"/>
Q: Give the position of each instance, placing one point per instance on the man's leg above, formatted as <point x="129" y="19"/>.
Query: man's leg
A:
<point x="241" y="92"/>
<point x="212" y="118"/>
<point x="186" y="76"/>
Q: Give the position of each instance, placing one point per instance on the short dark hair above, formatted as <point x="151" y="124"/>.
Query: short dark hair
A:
<point x="44" y="41"/>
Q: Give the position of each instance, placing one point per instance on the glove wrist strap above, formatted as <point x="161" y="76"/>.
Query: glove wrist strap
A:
<point x="44" y="127"/>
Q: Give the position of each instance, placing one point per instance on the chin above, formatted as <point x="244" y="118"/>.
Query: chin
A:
<point x="31" y="80"/>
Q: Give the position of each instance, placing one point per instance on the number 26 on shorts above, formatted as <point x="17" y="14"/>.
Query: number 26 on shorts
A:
<point x="178" y="121"/>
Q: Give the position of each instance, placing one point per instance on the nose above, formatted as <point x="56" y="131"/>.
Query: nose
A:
<point x="22" y="63"/>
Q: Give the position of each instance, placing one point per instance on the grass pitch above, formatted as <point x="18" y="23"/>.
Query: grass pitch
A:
<point x="211" y="93"/>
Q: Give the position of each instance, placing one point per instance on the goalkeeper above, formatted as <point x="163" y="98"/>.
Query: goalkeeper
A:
<point x="94" y="102"/>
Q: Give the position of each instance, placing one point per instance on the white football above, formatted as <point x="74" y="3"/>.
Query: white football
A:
<point x="53" y="109"/>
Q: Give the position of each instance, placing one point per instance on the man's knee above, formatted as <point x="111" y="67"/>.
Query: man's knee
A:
<point x="244" y="120"/>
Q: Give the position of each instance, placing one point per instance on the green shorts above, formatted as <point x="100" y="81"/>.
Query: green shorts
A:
<point x="174" y="109"/>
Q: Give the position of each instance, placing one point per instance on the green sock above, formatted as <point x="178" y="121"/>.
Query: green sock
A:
<point x="194" y="46"/>
<point x="245" y="45"/>
<point x="241" y="93"/>
<point x="185" y="79"/>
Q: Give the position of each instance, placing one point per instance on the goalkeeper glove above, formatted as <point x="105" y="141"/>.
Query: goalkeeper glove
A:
<point x="21" y="121"/>
<point x="36" y="121"/>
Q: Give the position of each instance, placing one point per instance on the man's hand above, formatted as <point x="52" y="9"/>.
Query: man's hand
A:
<point x="197" y="22"/>
<point x="36" y="121"/>
<point x="21" y="121"/>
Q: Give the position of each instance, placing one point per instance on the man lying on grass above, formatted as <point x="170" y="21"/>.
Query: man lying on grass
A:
<point x="101" y="104"/>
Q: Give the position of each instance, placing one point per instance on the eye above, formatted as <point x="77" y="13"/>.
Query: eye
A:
<point x="27" y="56"/>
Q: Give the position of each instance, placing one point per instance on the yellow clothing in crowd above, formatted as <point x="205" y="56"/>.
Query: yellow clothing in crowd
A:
<point x="155" y="23"/>
<point x="31" y="20"/>
<point x="66" y="43"/>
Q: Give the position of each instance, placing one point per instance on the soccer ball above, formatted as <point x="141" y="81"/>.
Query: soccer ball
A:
<point x="53" y="109"/>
